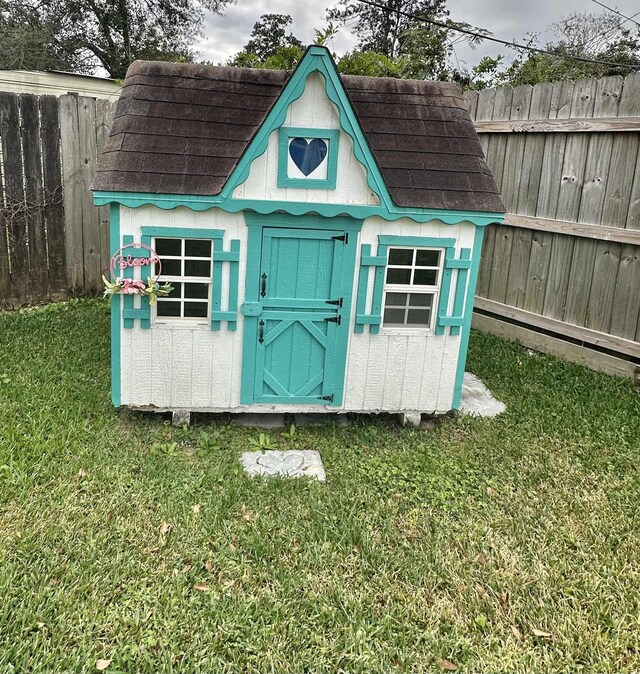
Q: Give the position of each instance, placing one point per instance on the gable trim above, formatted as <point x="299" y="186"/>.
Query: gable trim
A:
<point x="316" y="59"/>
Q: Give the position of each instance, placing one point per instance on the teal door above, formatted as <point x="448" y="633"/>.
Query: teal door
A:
<point x="301" y="331"/>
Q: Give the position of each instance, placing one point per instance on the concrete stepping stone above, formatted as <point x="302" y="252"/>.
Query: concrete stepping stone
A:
<point x="286" y="463"/>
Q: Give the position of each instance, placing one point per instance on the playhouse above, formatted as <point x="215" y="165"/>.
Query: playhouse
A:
<point x="321" y="235"/>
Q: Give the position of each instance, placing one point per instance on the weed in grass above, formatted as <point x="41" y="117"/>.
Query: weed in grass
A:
<point x="263" y="441"/>
<point x="210" y="442"/>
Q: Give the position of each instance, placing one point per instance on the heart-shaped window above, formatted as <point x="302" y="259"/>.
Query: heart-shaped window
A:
<point x="308" y="155"/>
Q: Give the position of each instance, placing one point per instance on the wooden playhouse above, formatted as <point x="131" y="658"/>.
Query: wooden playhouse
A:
<point x="322" y="235"/>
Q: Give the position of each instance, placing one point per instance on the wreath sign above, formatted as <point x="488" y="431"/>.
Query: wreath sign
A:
<point x="119" y="285"/>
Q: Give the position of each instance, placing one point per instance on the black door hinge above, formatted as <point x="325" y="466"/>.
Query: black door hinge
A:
<point x="337" y="303"/>
<point x="329" y="398"/>
<point x="334" y="319"/>
<point x="342" y="237"/>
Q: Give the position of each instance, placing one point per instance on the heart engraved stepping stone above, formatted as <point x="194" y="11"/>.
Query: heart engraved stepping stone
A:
<point x="286" y="463"/>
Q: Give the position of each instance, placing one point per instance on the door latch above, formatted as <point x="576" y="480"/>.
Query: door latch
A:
<point x="342" y="237"/>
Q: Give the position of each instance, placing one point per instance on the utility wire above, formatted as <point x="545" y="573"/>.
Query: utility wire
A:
<point x="615" y="11"/>
<point x="515" y="45"/>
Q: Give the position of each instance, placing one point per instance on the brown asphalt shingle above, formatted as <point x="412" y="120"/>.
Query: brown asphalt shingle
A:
<point x="182" y="128"/>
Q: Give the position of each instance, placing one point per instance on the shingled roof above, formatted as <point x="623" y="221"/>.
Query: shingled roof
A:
<point x="182" y="128"/>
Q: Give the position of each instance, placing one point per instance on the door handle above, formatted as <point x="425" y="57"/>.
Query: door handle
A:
<point x="263" y="285"/>
<point x="261" y="332"/>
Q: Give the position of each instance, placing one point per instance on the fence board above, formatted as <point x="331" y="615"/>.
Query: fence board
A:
<point x="17" y="226"/>
<point x="90" y="216"/>
<point x="5" y="277"/>
<point x="539" y="245"/>
<point x="104" y="119"/>
<point x="72" y="191"/>
<point x="484" y="110"/>
<point x="496" y="151"/>
<point x="53" y="204"/>
<point x="34" y="196"/>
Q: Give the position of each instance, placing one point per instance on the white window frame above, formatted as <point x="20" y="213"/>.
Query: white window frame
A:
<point x="409" y="289"/>
<point x="188" y="321"/>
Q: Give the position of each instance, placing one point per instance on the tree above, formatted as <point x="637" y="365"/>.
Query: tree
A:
<point x="87" y="34"/>
<point x="384" y="31"/>
<point x="269" y="36"/>
<point x="600" y="37"/>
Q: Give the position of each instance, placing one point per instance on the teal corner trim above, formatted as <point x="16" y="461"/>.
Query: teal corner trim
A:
<point x="116" y="356"/>
<point x="467" y="316"/>
<point x="284" y="136"/>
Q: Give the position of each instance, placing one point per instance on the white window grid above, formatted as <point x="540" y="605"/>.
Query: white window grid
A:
<point x="183" y="278"/>
<point x="410" y="289"/>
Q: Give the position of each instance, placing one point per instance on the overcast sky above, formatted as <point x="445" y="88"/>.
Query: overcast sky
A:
<point x="226" y="35"/>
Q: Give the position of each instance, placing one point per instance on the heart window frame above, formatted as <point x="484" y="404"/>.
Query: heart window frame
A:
<point x="331" y="138"/>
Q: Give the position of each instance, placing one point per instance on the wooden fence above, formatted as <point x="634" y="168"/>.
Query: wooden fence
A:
<point x="53" y="242"/>
<point x="563" y="275"/>
<point x="566" y="265"/>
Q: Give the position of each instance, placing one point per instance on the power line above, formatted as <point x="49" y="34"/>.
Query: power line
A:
<point x="615" y="11"/>
<point x="515" y="45"/>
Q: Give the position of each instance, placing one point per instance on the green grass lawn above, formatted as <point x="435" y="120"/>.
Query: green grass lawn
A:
<point x="498" y="545"/>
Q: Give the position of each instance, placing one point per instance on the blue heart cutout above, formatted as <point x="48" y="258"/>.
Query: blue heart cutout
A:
<point x="308" y="156"/>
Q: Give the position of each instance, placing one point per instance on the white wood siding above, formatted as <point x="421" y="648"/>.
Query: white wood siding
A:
<point x="195" y="368"/>
<point x="312" y="110"/>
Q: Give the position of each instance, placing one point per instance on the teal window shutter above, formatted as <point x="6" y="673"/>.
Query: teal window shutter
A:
<point x="461" y="266"/>
<point x="232" y="257"/>
<point x="129" y="313"/>
<point x="373" y="317"/>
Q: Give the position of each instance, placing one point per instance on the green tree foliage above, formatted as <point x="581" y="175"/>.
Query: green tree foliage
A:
<point x="601" y="37"/>
<point x="384" y="31"/>
<point x="82" y="35"/>
<point x="269" y="36"/>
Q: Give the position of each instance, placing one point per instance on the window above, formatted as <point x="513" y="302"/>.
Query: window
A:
<point x="186" y="264"/>
<point x="411" y="287"/>
<point x="308" y="158"/>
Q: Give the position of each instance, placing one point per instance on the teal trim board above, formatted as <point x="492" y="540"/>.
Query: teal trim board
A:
<point x="199" y="203"/>
<point x="116" y="357"/>
<point x="332" y="136"/>
<point x="467" y="317"/>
